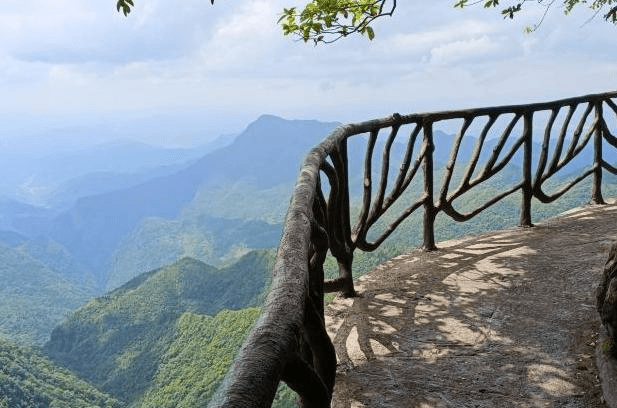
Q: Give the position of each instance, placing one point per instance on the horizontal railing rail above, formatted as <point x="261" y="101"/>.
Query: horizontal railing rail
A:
<point x="289" y="341"/>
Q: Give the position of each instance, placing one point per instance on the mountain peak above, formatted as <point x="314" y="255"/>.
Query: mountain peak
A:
<point x="268" y="117"/>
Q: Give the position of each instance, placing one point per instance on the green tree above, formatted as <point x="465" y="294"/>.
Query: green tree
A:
<point x="325" y="21"/>
<point x="511" y="8"/>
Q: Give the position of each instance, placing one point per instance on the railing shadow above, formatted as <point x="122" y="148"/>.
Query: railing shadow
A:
<point x="493" y="320"/>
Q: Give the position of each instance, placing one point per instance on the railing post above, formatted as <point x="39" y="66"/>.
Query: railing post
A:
<point x="527" y="190"/>
<point x="345" y="273"/>
<point x="596" y="189"/>
<point x="429" y="206"/>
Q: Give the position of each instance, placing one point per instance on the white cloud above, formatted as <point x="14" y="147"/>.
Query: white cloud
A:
<point x="447" y="32"/>
<point x="94" y="32"/>
<point x="231" y="62"/>
<point x="243" y="41"/>
<point x="472" y="50"/>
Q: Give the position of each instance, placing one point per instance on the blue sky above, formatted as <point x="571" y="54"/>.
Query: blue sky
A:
<point x="193" y="71"/>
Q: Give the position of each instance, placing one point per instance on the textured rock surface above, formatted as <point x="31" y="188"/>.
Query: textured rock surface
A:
<point x="606" y="351"/>
<point x="607" y="294"/>
<point x="607" y="369"/>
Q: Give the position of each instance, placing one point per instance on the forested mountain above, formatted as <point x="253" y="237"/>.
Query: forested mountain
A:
<point x="267" y="153"/>
<point x="29" y="380"/>
<point x="158" y="241"/>
<point x="113" y="237"/>
<point x="175" y="245"/>
<point x="196" y="362"/>
<point x="118" y="341"/>
<point x="164" y="339"/>
<point x="224" y="205"/>
<point x="37" y="289"/>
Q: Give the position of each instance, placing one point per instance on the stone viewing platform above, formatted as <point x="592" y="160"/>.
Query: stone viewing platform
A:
<point x="503" y="319"/>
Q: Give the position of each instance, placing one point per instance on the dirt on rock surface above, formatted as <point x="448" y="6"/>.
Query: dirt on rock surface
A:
<point x="503" y="319"/>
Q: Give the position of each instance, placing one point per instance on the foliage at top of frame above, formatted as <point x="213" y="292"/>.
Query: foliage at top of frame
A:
<point x="326" y="21"/>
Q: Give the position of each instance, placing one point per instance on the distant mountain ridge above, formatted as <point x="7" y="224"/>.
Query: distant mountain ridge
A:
<point x="152" y="241"/>
<point x="156" y="241"/>
<point x="124" y="164"/>
<point x="267" y="153"/>
<point x="214" y="209"/>
<point x="112" y="238"/>
<point x="21" y="217"/>
<point x="39" y="180"/>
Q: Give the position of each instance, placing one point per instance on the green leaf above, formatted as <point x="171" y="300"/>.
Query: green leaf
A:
<point x="611" y="15"/>
<point x="122" y="4"/>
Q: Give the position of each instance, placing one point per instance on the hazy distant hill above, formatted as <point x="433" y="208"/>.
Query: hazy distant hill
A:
<point x="12" y="238"/>
<point x="266" y="154"/>
<point x="251" y="178"/>
<point x="157" y="241"/>
<point x="122" y="165"/>
<point x="41" y="283"/>
<point x="117" y="341"/>
<point x="19" y="216"/>
<point x="65" y="195"/>
<point x="46" y="179"/>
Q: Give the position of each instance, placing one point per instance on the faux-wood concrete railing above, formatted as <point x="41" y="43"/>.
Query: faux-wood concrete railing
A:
<point x="289" y="341"/>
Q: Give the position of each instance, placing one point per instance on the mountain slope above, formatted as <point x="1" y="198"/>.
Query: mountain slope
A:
<point x="34" y="297"/>
<point x="123" y="164"/>
<point x="35" y="177"/>
<point x="157" y="241"/>
<point x="267" y="153"/>
<point x="196" y="361"/>
<point x="29" y="380"/>
<point x="117" y="341"/>
<point x="26" y="218"/>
